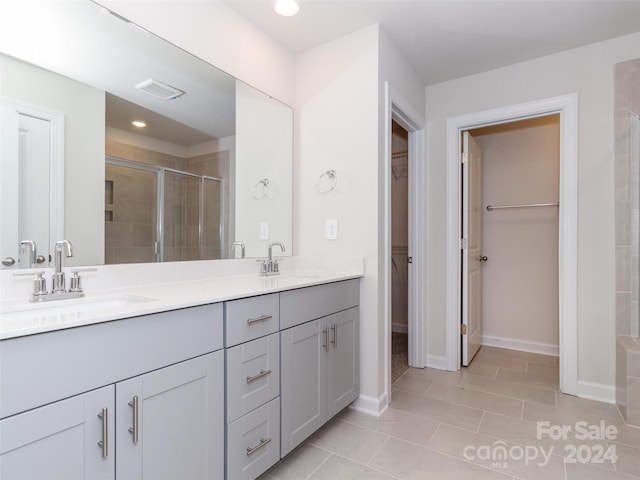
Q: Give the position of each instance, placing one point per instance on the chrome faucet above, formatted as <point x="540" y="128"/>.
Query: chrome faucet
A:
<point x="27" y="254"/>
<point x="58" y="286"/>
<point x="271" y="267"/>
<point x="238" y="244"/>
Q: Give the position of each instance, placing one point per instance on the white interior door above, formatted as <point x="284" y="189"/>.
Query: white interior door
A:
<point x="472" y="256"/>
<point x="25" y="161"/>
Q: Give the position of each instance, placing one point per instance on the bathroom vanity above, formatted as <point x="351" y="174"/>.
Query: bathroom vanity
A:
<point x="222" y="386"/>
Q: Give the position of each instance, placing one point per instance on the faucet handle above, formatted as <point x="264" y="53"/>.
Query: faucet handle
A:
<point x="39" y="284"/>
<point x="75" y="279"/>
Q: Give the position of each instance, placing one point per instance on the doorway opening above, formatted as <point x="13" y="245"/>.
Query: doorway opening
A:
<point x="399" y="250"/>
<point x="510" y="216"/>
<point x="567" y="108"/>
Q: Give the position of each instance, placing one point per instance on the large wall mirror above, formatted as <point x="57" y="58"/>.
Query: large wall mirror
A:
<point x="212" y="165"/>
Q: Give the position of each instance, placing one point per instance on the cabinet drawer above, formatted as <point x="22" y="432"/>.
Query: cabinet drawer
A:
<point x="253" y="375"/>
<point x="250" y="318"/>
<point x="253" y="442"/>
<point x="300" y="306"/>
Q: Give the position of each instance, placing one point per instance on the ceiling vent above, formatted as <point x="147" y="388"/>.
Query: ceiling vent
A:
<point x="159" y="90"/>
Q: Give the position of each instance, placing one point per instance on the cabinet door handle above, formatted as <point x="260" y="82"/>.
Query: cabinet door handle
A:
<point x="104" y="443"/>
<point x="263" y="442"/>
<point x="134" y="428"/>
<point x="258" y="319"/>
<point x="325" y="345"/>
<point x="263" y="373"/>
<point x="334" y="327"/>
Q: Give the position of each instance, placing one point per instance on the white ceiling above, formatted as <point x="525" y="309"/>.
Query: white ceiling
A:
<point x="450" y="39"/>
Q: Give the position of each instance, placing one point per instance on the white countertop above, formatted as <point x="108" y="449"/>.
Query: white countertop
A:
<point x="20" y="318"/>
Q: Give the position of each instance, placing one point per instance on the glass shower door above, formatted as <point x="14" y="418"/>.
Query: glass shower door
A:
<point x="131" y="198"/>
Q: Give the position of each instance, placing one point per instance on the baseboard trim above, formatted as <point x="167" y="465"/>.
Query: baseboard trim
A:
<point x="371" y="405"/>
<point x="597" y="391"/>
<point x="434" y="361"/>
<point x="400" y="328"/>
<point x="523" y="345"/>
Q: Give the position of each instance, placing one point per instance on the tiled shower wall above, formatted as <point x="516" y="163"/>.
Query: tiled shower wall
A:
<point x="130" y="225"/>
<point x="627" y="203"/>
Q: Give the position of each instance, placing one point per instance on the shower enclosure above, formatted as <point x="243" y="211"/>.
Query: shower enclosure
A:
<point x="160" y="214"/>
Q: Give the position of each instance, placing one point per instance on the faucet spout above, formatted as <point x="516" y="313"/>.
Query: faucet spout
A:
<point x="275" y="244"/>
<point x="238" y="244"/>
<point x="28" y="253"/>
<point x="58" y="276"/>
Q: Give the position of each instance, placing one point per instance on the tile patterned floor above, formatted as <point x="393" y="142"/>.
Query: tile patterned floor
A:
<point x="454" y="425"/>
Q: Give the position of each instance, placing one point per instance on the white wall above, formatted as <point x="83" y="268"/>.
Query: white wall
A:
<point x="264" y="146"/>
<point x="83" y="109"/>
<point x="589" y="72"/>
<point x="340" y="124"/>
<point x="217" y="34"/>
<point x="520" y="165"/>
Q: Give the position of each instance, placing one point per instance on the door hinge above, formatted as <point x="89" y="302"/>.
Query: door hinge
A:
<point x="463" y="243"/>
<point x="409" y="259"/>
<point x="464" y="158"/>
<point x="463" y="329"/>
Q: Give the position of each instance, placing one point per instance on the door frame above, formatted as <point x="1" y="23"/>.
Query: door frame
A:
<point x="398" y="109"/>
<point x="567" y="107"/>
<point x="56" y="204"/>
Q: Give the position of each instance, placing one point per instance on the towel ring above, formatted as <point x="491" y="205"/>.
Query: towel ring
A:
<point x="327" y="181"/>
<point x="260" y="189"/>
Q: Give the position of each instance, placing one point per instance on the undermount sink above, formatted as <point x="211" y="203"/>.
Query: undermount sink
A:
<point x="64" y="310"/>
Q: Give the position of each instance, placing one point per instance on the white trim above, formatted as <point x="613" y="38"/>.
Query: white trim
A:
<point x="397" y="108"/>
<point x="371" y="405"/>
<point x="437" y="362"/>
<point x="522" y="345"/>
<point x="597" y="391"/>
<point x="56" y="163"/>
<point x="567" y="107"/>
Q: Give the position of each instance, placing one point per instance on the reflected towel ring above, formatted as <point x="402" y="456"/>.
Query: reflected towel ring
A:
<point x="327" y="181"/>
<point x="260" y="189"/>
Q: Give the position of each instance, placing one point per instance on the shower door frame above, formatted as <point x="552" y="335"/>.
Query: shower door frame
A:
<point x="160" y="208"/>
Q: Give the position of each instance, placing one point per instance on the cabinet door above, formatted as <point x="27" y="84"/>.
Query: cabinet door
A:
<point x="303" y="393"/>
<point x="170" y="422"/>
<point x="343" y="379"/>
<point x="60" y="440"/>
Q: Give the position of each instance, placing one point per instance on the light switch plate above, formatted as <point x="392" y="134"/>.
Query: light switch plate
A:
<point x="332" y="229"/>
<point x="264" y="230"/>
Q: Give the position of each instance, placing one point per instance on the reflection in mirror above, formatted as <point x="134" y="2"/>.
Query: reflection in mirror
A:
<point x="177" y="189"/>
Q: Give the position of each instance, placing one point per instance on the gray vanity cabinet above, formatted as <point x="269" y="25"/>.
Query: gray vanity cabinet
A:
<point x="169" y="422"/>
<point x="320" y="358"/>
<point x="169" y="366"/>
<point x="60" y="440"/>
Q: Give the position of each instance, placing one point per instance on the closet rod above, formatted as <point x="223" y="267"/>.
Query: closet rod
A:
<point x="498" y="207"/>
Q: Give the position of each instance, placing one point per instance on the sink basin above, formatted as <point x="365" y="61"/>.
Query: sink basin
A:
<point x="57" y="311"/>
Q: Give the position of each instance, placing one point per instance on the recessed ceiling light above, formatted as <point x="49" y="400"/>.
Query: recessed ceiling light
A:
<point x="286" y="8"/>
<point x="138" y="123"/>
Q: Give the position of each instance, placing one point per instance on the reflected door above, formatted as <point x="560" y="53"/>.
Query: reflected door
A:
<point x="25" y="159"/>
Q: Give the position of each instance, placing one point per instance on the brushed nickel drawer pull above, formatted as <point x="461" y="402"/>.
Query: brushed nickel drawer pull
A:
<point x="325" y="345"/>
<point x="334" y="327"/>
<point x="263" y="443"/>
<point x="258" y="319"/>
<point x="263" y="373"/>
<point x="104" y="443"/>
<point x="134" y="428"/>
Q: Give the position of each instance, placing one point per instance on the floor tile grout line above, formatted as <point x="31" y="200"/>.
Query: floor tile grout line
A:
<point x="357" y="462"/>
<point x="319" y="465"/>
<point x="433" y="435"/>
<point x="480" y="422"/>
<point x="379" y="449"/>
<point x="395" y="437"/>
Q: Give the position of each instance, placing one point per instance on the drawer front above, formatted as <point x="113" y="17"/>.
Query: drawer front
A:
<point x="253" y="442"/>
<point x="253" y="375"/>
<point x="66" y="362"/>
<point x="250" y="318"/>
<point x="305" y="304"/>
